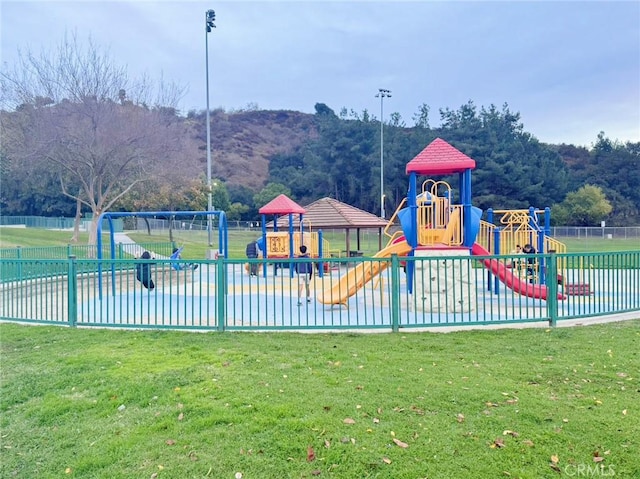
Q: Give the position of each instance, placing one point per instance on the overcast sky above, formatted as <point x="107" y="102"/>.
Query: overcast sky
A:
<point x="571" y="68"/>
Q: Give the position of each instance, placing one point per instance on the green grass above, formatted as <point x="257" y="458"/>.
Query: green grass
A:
<point x="195" y="242"/>
<point x="600" y="245"/>
<point x="473" y="404"/>
<point x="29" y="237"/>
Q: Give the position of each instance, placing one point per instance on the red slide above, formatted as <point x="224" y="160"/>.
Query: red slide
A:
<point x="507" y="277"/>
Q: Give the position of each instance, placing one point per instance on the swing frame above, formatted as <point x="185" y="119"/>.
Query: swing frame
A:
<point x="223" y="235"/>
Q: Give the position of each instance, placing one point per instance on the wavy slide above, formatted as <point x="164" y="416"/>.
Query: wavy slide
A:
<point x="357" y="277"/>
<point x="509" y="279"/>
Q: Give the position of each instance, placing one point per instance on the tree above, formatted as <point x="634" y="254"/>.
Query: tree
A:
<point x="220" y="196"/>
<point x="421" y="118"/>
<point x="269" y="192"/>
<point x="237" y="211"/>
<point x="396" y="120"/>
<point x="322" y="109"/>
<point x="514" y="170"/>
<point x="76" y="112"/>
<point x="587" y="206"/>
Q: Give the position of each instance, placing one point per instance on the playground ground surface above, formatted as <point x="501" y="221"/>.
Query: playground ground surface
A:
<point x="271" y="301"/>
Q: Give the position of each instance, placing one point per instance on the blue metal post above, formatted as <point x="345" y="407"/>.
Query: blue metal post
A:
<point x="496" y="250"/>
<point x="413" y="231"/>
<point x="466" y="207"/>
<point x="292" y="252"/>
<point x="264" y="242"/>
<point x="320" y="254"/>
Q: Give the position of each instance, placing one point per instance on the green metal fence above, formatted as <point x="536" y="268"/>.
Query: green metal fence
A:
<point x="345" y="293"/>
<point x="21" y="271"/>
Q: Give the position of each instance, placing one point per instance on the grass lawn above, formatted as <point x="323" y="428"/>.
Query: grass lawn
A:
<point x="29" y="237"/>
<point x="529" y="403"/>
<point x="195" y="242"/>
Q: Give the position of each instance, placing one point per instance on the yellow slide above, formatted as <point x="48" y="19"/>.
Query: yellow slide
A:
<point x="361" y="274"/>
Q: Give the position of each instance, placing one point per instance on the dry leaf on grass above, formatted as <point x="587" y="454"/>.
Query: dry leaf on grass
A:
<point x="399" y="443"/>
<point x="460" y="418"/>
<point x="386" y="460"/>
<point x="348" y="421"/>
<point x="498" y="443"/>
<point x="311" y="455"/>
<point x="170" y="442"/>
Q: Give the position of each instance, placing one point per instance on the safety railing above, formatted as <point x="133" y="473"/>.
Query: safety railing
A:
<point x="377" y="293"/>
<point x="16" y="271"/>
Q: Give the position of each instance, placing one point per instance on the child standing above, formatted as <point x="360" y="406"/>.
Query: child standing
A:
<point x="304" y="270"/>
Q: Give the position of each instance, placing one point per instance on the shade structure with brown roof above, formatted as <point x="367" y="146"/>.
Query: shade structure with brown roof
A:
<point x="330" y="213"/>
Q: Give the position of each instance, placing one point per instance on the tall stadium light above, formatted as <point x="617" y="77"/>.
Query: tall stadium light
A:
<point x="209" y="18"/>
<point x="382" y="93"/>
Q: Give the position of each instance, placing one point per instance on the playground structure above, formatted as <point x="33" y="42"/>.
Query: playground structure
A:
<point x="282" y="245"/>
<point x="433" y="224"/>
<point x="460" y="270"/>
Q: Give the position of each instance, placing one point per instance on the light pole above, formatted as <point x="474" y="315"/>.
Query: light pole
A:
<point x="382" y="93"/>
<point x="209" y="18"/>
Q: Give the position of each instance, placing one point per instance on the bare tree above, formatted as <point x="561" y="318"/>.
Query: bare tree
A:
<point x="81" y="114"/>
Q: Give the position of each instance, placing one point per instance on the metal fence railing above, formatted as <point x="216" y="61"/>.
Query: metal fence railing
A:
<point x="345" y="293"/>
<point x="11" y="271"/>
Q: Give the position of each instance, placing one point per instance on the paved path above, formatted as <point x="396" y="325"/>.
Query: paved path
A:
<point x="131" y="247"/>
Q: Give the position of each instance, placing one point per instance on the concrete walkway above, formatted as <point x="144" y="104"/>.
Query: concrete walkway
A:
<point x="131" y="247"/>
<point x="128" y="245"/>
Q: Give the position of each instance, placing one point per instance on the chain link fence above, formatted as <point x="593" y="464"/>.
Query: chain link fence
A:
<point x="608" y="232"/>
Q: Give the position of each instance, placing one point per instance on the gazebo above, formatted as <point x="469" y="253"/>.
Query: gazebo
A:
<point x="329" y="213"/>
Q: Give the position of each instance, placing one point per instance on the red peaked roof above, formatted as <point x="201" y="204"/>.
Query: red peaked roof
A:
<point x="440" y="158"/>
<point x="281" y="205"/>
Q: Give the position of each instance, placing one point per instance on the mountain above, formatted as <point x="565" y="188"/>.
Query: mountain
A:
<point x="243" y="142"/>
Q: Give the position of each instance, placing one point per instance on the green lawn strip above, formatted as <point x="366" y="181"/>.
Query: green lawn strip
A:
<point x="468" y="404"/>
<point x="30" y="237"/>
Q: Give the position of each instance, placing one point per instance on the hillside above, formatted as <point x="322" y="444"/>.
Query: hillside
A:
<point x="243" y="142"/>
<point x="163" y="159"/>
